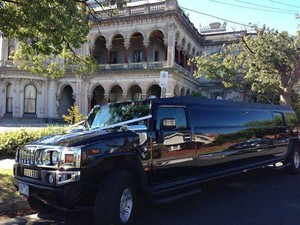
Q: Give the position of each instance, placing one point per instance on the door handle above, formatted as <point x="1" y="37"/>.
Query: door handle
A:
<point x="187" y="137"/>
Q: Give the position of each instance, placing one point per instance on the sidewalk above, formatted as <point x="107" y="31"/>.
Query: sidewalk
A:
<point x="7" y="163"/>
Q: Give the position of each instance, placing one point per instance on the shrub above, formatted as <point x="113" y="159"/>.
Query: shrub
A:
<point x="10" y="141"/>
<point x="74" y="115"/>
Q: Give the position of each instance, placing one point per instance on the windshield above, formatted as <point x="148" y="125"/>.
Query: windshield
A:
<point x="116" y="113"/>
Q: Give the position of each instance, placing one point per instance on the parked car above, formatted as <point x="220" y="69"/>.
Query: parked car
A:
<point x="155" y="149"/>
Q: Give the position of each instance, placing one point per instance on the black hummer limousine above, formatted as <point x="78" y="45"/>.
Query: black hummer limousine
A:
<point x="159" y="148"/>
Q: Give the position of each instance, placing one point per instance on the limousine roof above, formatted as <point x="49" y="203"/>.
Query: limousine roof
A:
<point x="190" y="100"/>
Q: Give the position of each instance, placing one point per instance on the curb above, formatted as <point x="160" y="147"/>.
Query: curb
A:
<point x="13" y="205"/>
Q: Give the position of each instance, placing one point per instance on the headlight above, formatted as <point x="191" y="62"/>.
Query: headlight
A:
<point x="46" y="157"/>
<point x="50" y="157"/>
<point x="54" y="158"/>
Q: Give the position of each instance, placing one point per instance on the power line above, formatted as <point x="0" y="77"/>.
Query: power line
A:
<point x="295" y="6"/>
<point x="264" y="6"/>
<point x="246" y="7"/>
<point x="216" y="17"/>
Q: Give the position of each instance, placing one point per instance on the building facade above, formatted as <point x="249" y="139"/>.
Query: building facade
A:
<point x="133" y="48"/>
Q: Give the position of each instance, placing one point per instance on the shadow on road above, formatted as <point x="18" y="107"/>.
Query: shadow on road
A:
<point x="259" y="197"/>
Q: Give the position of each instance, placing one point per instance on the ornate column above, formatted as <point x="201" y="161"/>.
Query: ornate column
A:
<point x="18" y="102"/>
<point x="108" y="48"/>
<point x="91" y="49"/>
<point x="90" y="97"/>
<point x="3" y="95"/>
<point x="171" y="45"/>
<point x="51" y="105"/>
<point x="178" y="54"/>
<point x="127" y="46"/>
<point x="146" y="45"/>
<point x="57" y="104"/>
<point x="184" y="59"/>
<point x="106" y="98"/>
<point x="124" y="96"/>
<point x="77" y="94"/>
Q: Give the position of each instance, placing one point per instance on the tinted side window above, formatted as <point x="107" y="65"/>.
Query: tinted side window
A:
<point x="278" y="118"/>
<point x="172" y="112"/>
<point x="291" y="119"/>
<point x="230" y="117"/>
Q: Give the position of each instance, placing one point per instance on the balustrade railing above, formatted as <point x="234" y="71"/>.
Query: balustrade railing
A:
<point x="136" y="10"/>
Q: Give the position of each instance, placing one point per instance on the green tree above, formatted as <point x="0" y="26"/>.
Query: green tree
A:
<point x="74" y="115"/>
<point x="267" y="63"/>
<point x="49" y="32"/>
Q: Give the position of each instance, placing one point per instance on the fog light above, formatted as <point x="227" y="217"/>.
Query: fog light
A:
<point x="64" y="177"/>
<point x="51" y="179"/>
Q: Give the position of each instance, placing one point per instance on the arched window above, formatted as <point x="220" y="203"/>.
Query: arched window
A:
<point x="30" y="99"/>
<point x="9" y="99"/>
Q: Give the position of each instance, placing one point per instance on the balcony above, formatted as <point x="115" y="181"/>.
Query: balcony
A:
<point x="136" y="9"/>
<point x="143" y="65"/>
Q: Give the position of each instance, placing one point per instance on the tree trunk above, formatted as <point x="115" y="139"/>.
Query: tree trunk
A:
<point x="286" y="99"/>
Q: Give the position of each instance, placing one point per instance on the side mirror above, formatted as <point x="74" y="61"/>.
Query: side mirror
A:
<point x="168" y="123"/>
<point x="141" y="130"/>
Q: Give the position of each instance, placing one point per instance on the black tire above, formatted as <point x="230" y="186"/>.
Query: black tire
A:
<point x="116" y="200"/>
<point x="38" y="205"/>
<point x="294" y="161"/>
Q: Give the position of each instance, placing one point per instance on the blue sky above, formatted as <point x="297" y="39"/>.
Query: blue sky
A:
<point x="276" y="14"/>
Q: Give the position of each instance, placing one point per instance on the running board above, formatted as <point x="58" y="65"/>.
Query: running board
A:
<point x="169" y="197"/>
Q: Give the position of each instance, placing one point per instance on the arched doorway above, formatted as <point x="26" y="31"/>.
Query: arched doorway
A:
<point x="66" y="101"/>
<point x="135" y="93"/>
<point x="154" y="90"/>
<point x="115" y="94"/>
<point x="182" y="92"/>
<point x="158" y="46"/>
<point x="176" y="90"/>
<point x="137" y="49"/>
<point x="98" y="96"/>
<point x="99" y="52"/>
<point x="117" y="52"/>
<point x="188" y="92"/>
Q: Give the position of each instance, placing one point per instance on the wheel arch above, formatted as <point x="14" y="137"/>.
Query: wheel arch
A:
<point x="126" y="162"/>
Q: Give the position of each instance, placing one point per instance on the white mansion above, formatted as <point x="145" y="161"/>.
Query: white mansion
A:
<point x="132" y="49"/>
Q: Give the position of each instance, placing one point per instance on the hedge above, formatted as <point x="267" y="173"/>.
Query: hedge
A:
<point x="10" y="141"/>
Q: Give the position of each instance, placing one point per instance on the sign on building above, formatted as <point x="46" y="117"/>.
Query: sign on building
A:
<point x="163" y="82"/>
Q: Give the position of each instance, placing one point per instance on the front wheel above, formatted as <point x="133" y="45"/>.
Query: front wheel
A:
<point x="116" y="200"/>
<point x="294" y="161"/>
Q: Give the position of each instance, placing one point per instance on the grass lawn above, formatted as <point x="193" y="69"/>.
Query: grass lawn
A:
<point x="7" y="189"/>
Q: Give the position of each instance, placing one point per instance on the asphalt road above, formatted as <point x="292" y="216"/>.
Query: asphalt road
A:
<point x="261" y="197"/>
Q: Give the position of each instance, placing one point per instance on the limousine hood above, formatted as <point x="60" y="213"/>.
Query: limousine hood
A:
<point x="80" y="138"/>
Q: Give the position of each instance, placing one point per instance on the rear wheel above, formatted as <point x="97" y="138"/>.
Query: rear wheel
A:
<point x="294" y="161"/>
<point x="116" y="200"/>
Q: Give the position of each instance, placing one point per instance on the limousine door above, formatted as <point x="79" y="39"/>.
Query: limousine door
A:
<point x="173" y="148"/>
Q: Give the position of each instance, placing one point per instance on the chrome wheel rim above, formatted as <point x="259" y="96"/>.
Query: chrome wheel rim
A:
<point x="126" y="204"/>
<point x="296" y="160"/>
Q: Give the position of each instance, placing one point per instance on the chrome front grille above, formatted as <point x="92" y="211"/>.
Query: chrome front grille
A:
<point x="29" y="156"/>
<point x="35" y="156"/>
